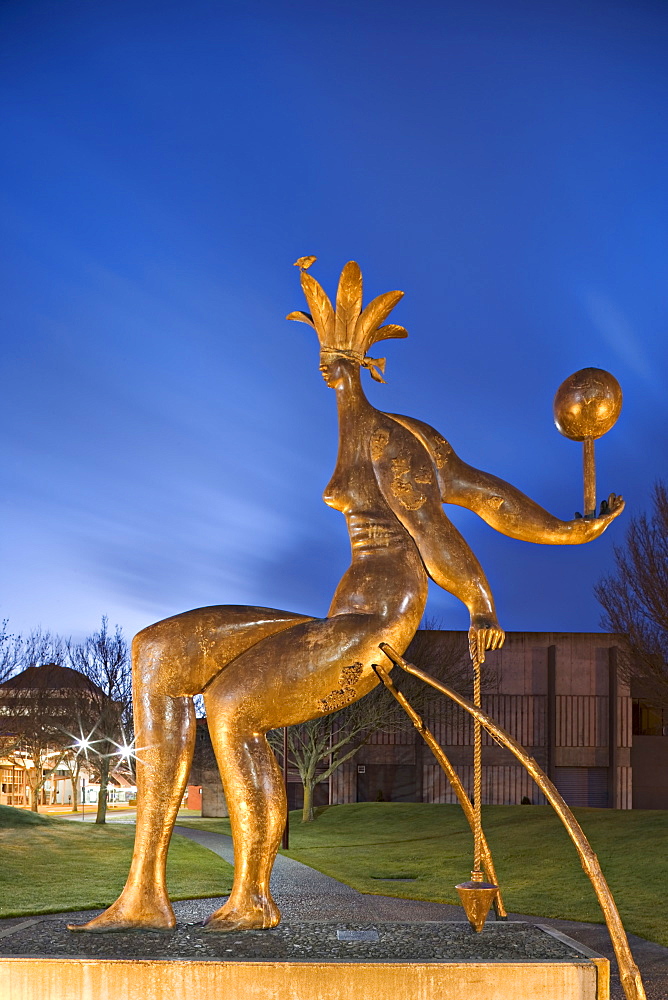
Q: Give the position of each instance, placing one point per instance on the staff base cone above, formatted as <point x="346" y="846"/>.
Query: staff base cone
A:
<point x="477" y="897"/>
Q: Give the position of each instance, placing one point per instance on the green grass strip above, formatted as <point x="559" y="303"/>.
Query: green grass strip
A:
<point x="50" y="865"/>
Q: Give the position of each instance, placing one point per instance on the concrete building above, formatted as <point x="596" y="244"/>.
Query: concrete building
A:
<point x="562" y="697"/>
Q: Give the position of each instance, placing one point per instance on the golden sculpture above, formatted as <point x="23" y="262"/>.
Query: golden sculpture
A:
<point x="260" y="668"/>
<point x="472" y="814"/>
<point x="476" y="895"/>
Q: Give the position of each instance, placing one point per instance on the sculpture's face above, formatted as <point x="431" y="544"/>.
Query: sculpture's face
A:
<point x="331" y="369"/>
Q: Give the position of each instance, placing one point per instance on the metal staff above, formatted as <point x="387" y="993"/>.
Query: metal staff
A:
<point x="476" y="895"/>
<point x="452" y="777"/>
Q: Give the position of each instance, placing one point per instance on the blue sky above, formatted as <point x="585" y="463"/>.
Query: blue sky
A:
<point x="166" y="435"/>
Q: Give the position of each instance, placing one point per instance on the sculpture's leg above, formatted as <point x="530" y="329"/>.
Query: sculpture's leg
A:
<point x="256" y="800"/>
<point x="165" y="739"/>
<point x="286" y="679"/>
<point x="171" y="661"/>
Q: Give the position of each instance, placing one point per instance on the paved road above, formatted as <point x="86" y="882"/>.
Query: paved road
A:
<point x="113" y="816"/>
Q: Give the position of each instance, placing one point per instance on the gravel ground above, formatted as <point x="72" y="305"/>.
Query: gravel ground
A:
<point x="290" y="941"/>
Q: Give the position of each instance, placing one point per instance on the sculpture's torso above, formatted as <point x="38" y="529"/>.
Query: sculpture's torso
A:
<point x="386" y="576"/>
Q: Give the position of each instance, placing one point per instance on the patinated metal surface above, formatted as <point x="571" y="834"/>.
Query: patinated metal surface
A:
<point x="629" y="973"/>
<point x="261" y="668"/>
<point x="476" y="897"/>
<point x="587" y="404"/>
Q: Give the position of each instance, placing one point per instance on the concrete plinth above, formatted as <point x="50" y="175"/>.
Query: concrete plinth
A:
<point x="319" y="961"/>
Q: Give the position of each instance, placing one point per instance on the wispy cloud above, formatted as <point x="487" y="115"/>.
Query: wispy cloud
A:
<point x="619" y="335"/>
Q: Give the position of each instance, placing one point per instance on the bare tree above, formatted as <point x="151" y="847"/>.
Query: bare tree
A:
<point x="9" y="658"/>
<point x="74" y="761"/>
<point x="318" y="747"/>
<point x="103" y="657"/>
<point x="78" y="734"/>
<point x="445" y="655"/>
<point x="10" y="646"/>
<point x="635" y="599"/>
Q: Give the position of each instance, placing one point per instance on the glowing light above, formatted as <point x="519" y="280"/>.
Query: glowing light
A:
<point x="82" y="744"/>
<point x="126" y="752"/>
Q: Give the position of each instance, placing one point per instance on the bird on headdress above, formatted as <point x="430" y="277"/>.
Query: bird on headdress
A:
<point x="304" y="263"/>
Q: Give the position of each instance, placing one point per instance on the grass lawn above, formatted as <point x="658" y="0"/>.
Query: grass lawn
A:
<point x="50" y="865"/>
<point x="536" y="862"/>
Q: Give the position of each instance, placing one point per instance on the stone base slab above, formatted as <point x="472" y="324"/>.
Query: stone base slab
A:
<point x="71" y="979"/>
<point x="580" y="975"/>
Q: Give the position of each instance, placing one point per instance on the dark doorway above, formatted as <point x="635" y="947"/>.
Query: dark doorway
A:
<point x="387" y="783"/>
<point x="649" y="760"/>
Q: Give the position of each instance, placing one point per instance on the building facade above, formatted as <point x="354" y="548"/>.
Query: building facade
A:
<point x="559" y="694"/>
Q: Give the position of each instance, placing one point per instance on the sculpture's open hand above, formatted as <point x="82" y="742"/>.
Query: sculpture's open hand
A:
<point x="612" y="507"/>
<point x="588" y="528"/>
<point x="484" y="634"/>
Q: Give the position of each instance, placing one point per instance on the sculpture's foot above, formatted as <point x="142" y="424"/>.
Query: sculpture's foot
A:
<point x="258" y="913"/>
<point x="140" y="914"/>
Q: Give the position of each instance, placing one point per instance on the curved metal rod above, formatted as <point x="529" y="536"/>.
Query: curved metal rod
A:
<point x="629" y="973"/>
<point x="453" y="778"/>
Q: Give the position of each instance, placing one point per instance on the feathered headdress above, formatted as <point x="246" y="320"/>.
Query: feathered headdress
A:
<point x="350" y="331"/>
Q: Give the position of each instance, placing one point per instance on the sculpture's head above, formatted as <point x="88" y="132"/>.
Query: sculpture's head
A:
<point x="346" y="334"/>
<point x="336" y="367"/>
<point x="333" y="368"/>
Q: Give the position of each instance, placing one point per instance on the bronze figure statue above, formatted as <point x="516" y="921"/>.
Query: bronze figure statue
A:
<point x="260" y="668"/>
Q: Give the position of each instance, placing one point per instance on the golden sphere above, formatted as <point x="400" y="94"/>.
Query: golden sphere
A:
<point x="587" y="404"/>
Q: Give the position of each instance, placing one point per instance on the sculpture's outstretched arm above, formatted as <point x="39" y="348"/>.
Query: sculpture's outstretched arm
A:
<point x="512" y="513"/>
<point x="501" y="505"/>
